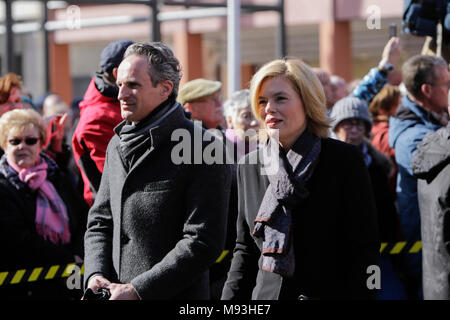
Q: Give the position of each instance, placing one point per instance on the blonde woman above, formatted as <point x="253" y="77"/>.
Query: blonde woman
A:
<point x="308" y="230"/>
<point x="42" y="220"/>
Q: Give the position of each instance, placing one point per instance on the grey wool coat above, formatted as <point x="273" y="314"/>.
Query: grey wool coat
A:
<point x="161" y="225"/>
<point x="431" y="165"/>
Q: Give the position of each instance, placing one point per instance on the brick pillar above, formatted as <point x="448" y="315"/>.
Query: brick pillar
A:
<point x="188" y="50"/>
<point x="60" y="78"/>
<point x="335" y="47"/>
<point x="247" y="72"/>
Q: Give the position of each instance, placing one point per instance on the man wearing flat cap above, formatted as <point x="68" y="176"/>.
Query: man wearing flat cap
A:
<point x="99" y="114"/>
<point x="202" y="99"/>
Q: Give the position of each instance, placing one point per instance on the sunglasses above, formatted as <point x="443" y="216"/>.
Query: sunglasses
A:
<point x="28" y="141"/>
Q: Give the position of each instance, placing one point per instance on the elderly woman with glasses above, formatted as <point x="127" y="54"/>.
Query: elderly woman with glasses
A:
<point x="42" y="220"/>
<point x="242" y="124"/>
<point x="352" y="124"/>
<point x="306" y="226"/>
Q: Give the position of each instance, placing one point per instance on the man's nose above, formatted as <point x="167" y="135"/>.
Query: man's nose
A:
<point x="123" y="93"/>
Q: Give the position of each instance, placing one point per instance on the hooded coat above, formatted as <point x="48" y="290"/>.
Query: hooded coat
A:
<point x="406" y="130"/>
<point x="99" y="114"/>
<point x="431" y="164"/>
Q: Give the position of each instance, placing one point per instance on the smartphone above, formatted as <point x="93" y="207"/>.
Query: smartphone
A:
<point x="392" y="30"/>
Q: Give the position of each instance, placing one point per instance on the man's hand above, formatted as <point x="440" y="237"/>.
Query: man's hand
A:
<point x="122" y="292"/>
<point x="97" y="282"/>
<point x="391" y="52"/>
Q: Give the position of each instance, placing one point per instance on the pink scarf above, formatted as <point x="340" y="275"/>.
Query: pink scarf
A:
<point x="52" y="222"/>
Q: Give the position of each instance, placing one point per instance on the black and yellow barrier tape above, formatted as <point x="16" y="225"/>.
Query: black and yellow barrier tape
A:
<point x="53" y="272"/>
<point x="64" y="271"/>
<point x="400" y="247"/>
<point x="39" y="273"/>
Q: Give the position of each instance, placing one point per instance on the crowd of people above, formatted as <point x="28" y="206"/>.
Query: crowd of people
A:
<point x="356" y="165"/>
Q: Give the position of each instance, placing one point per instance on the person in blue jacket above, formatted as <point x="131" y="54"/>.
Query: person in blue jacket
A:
<point x="422" y="110"/>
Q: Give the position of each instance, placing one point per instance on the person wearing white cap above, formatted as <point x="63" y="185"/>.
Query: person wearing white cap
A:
<point x="203" y="100"/>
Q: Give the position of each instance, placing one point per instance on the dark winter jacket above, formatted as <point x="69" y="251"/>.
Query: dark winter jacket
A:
<point x="431" y="164"/>
<point x="379" y="169"/>
<point x="22" y="246"/>
<point x="335" y="232"/>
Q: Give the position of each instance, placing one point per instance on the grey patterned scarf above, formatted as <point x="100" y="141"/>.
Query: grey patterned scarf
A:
<point x="285" y="192"/>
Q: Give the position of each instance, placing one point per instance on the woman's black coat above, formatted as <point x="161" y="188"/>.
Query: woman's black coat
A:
<point x="22" y="246"/>
<point x="335" y="233"/>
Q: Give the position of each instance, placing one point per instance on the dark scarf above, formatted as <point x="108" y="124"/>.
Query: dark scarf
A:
<point x="285" y="192"/>
<point x="135" y="139"/>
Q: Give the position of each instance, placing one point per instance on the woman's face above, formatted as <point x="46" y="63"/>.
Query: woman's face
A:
<point x="23" y="148"/>
<point x="281" y="109"/>
<point x="14" y="101"/>
<point x="244" y="120"/>
<point x="351" y="131"/>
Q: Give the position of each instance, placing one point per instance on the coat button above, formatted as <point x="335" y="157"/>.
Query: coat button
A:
<point x="124" y="238"/>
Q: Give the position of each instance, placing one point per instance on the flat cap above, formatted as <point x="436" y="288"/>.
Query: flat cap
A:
<point x="198" y="88"/>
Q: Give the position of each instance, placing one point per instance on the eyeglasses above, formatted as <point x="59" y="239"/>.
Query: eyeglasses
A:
<point x="29" y="141"/>
<point x="358" y="124"/>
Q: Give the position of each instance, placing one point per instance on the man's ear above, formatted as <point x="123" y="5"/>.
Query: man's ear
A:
<point x="426" y="90"/>
<point x="187" y="106"/>
<point x="115" y="73"/>
<point x="166" y="88"/>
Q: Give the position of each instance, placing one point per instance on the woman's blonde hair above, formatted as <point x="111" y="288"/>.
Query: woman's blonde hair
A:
<point x="307" y="85"/>
<point x="18" y="120"/>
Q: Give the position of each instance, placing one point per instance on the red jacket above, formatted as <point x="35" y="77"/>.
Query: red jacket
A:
<point x="99" y="115"/>
<point x="380" y="140"/>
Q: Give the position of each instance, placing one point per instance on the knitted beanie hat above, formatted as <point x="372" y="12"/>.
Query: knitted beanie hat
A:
<point x="350" y="108"/>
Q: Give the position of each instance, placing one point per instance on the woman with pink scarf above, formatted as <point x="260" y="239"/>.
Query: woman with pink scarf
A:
<point x="42" y="218"/>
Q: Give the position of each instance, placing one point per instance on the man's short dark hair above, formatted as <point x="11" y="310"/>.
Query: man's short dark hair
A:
<point x="162" y="63"/>
<point x="419" y="70"/>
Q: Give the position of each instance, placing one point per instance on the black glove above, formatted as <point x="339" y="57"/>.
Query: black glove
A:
<point x="100" y="294"/>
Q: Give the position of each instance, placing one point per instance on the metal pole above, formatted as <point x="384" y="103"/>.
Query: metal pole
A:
<point x="45" y="45"/>
<point x="282" y="51"/>
<point x="10" y="61"/>
<point x="156" y="31"/>
<point x="234" y="47"/>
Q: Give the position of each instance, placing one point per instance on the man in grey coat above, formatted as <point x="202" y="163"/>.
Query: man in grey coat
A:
<point x="157" y="223"/>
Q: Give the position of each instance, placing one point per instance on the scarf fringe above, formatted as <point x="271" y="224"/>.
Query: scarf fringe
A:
<point x="62" y="237"/>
